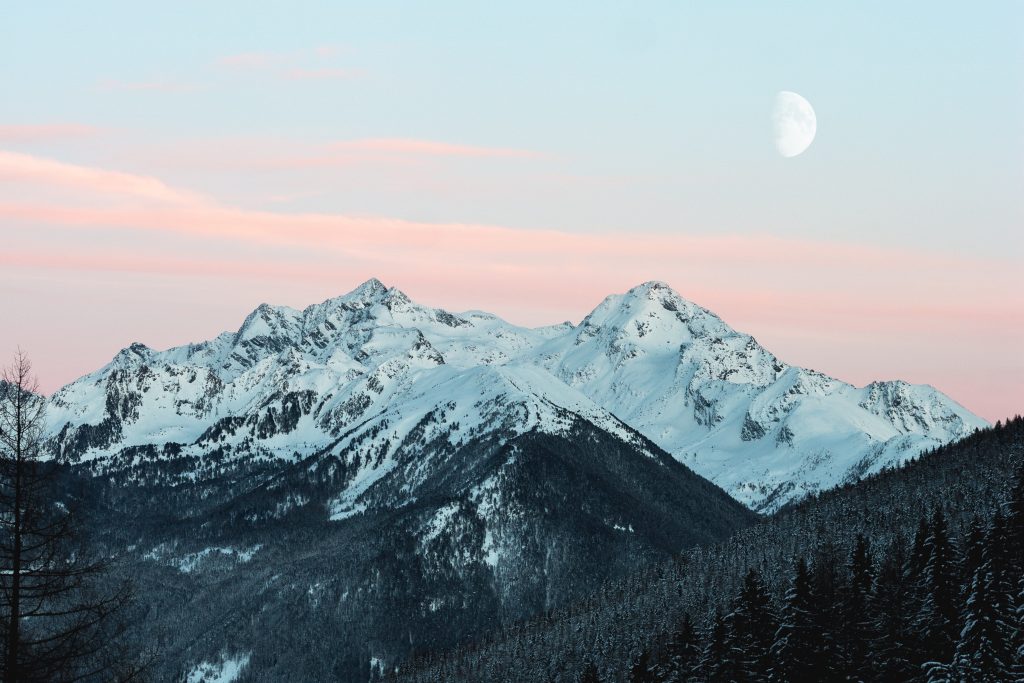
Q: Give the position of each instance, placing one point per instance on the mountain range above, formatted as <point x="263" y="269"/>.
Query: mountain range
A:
<point x="389" y="386"/>
<point x="325" y="494"/>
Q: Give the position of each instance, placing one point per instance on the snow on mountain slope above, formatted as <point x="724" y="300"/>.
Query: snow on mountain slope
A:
<point x="721" y="403"/>
<point x="445" y="408"/>
<point x="363" y="371"/>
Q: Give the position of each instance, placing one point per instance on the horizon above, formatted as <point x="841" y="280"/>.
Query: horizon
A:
<point x="526" y="161"/>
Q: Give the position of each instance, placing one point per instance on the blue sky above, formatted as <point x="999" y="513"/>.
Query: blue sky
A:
<point x="666" y="101"/>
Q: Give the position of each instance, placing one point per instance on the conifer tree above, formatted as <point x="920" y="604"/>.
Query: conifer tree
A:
<point x="1015" y="553"/>
<point x="714" y="665"/>
<point x="752" y="627"/>
<point x="974" y="550"/>
<point x="936" y="622"/>
<point x="57" y="623"/>
<point x="982" y="651"/>
<point x="1015" y="516"/>
<point x="918" y="552"/>
<point x="826" y="599"/>
<point x="681" y="653"/>
<point x="1002" y="577"/>
<point x="796" y="639"/>
<point x="1017" y="642"/>
<point x="857" y="627"/>
<point x="890" y="608"/>
<point x="642" y="671"/>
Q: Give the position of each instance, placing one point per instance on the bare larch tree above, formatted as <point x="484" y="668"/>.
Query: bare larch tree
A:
<point x="58" y="623"/>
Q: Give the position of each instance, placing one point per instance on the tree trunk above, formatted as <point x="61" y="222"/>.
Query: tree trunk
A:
<point x="14" y="627"/>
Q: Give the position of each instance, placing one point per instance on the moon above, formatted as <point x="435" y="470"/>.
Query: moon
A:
<point x="794" y="122"/>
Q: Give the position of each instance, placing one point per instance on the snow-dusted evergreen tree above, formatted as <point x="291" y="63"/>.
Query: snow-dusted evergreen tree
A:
<point x="936" y="622"/>
<point x="715" y="661"/>
<point x="974" y="552"/>
<point x="752" y="625"/>
<point x="1015" y="512"/>
<point x="890" y="610"/>
<point x="642" y="670"/>
<point x="1002" y="577"/>
<point x="682" y="653"/>
<point x="982" y="651"/>
<point x="1017" y="644"/>
<point x="826" y="612"/>
<point x="857" y="625"/>
<point x="796" y="640"/>
<point x="1015" y="555"/>
<point x="918" y="553"/>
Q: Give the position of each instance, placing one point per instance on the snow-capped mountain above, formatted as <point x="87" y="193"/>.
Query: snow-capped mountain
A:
<point x="373" y="377"/>
<point x="374" y="478"/>
<point x="763" y="430"/>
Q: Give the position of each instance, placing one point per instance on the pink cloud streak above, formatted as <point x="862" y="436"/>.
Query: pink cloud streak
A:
<point x="289" y="66"/>
<point x="27" y="168"/>
<point x="782" y="286"/>
<point x="45" y="132"/>
<point x="248" y="60"/>
<point x="184" y="212"/>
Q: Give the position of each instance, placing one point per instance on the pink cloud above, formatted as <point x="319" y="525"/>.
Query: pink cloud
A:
<point x="247" y="154"/>
<point x="324" y="51"/>
<point x="45" y="132"/>
<point x="27" y="168"/>
<point x="180" y="211"/>
<point x="248" y="60"/>
<point x="291" y="66"/>
<point x="844" y="308"/>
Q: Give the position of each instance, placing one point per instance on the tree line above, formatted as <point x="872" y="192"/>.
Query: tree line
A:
<point x="930" y="610"/>
<point x="912" y="574"/>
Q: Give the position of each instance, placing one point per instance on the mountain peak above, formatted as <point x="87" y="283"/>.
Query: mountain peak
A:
<point x="650" y="300"/>
<point x="371" y="293"/>
<point x="661" y="292"/>
<point x="267" y="321"/>
<point x="135" y="352"/>
<point x="370" y="288"/>
<point x="652" y="286"/>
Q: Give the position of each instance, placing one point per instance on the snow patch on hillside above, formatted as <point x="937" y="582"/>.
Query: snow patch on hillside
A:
<point x="227" y="670"/>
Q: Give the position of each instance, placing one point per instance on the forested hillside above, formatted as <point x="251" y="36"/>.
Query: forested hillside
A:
<point x="245" y="564"/>
<point x="911" y="574"/>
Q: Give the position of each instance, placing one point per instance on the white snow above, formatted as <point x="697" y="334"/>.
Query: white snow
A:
<point x="439" y="522"/>
<point x="492" y="554"/>
<point x="345" y="506"/>
<point x="191" y="562"/>
<point x="371" y="366"/>
<point x="227" y="670"/>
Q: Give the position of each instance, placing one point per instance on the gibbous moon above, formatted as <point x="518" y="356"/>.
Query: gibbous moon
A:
<point x="795" y="123"/>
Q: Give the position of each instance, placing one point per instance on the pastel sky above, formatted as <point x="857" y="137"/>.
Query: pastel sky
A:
<point x="166" y="167"/>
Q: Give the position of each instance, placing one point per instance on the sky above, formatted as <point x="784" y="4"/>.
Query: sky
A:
<point x="165" y="168"/>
